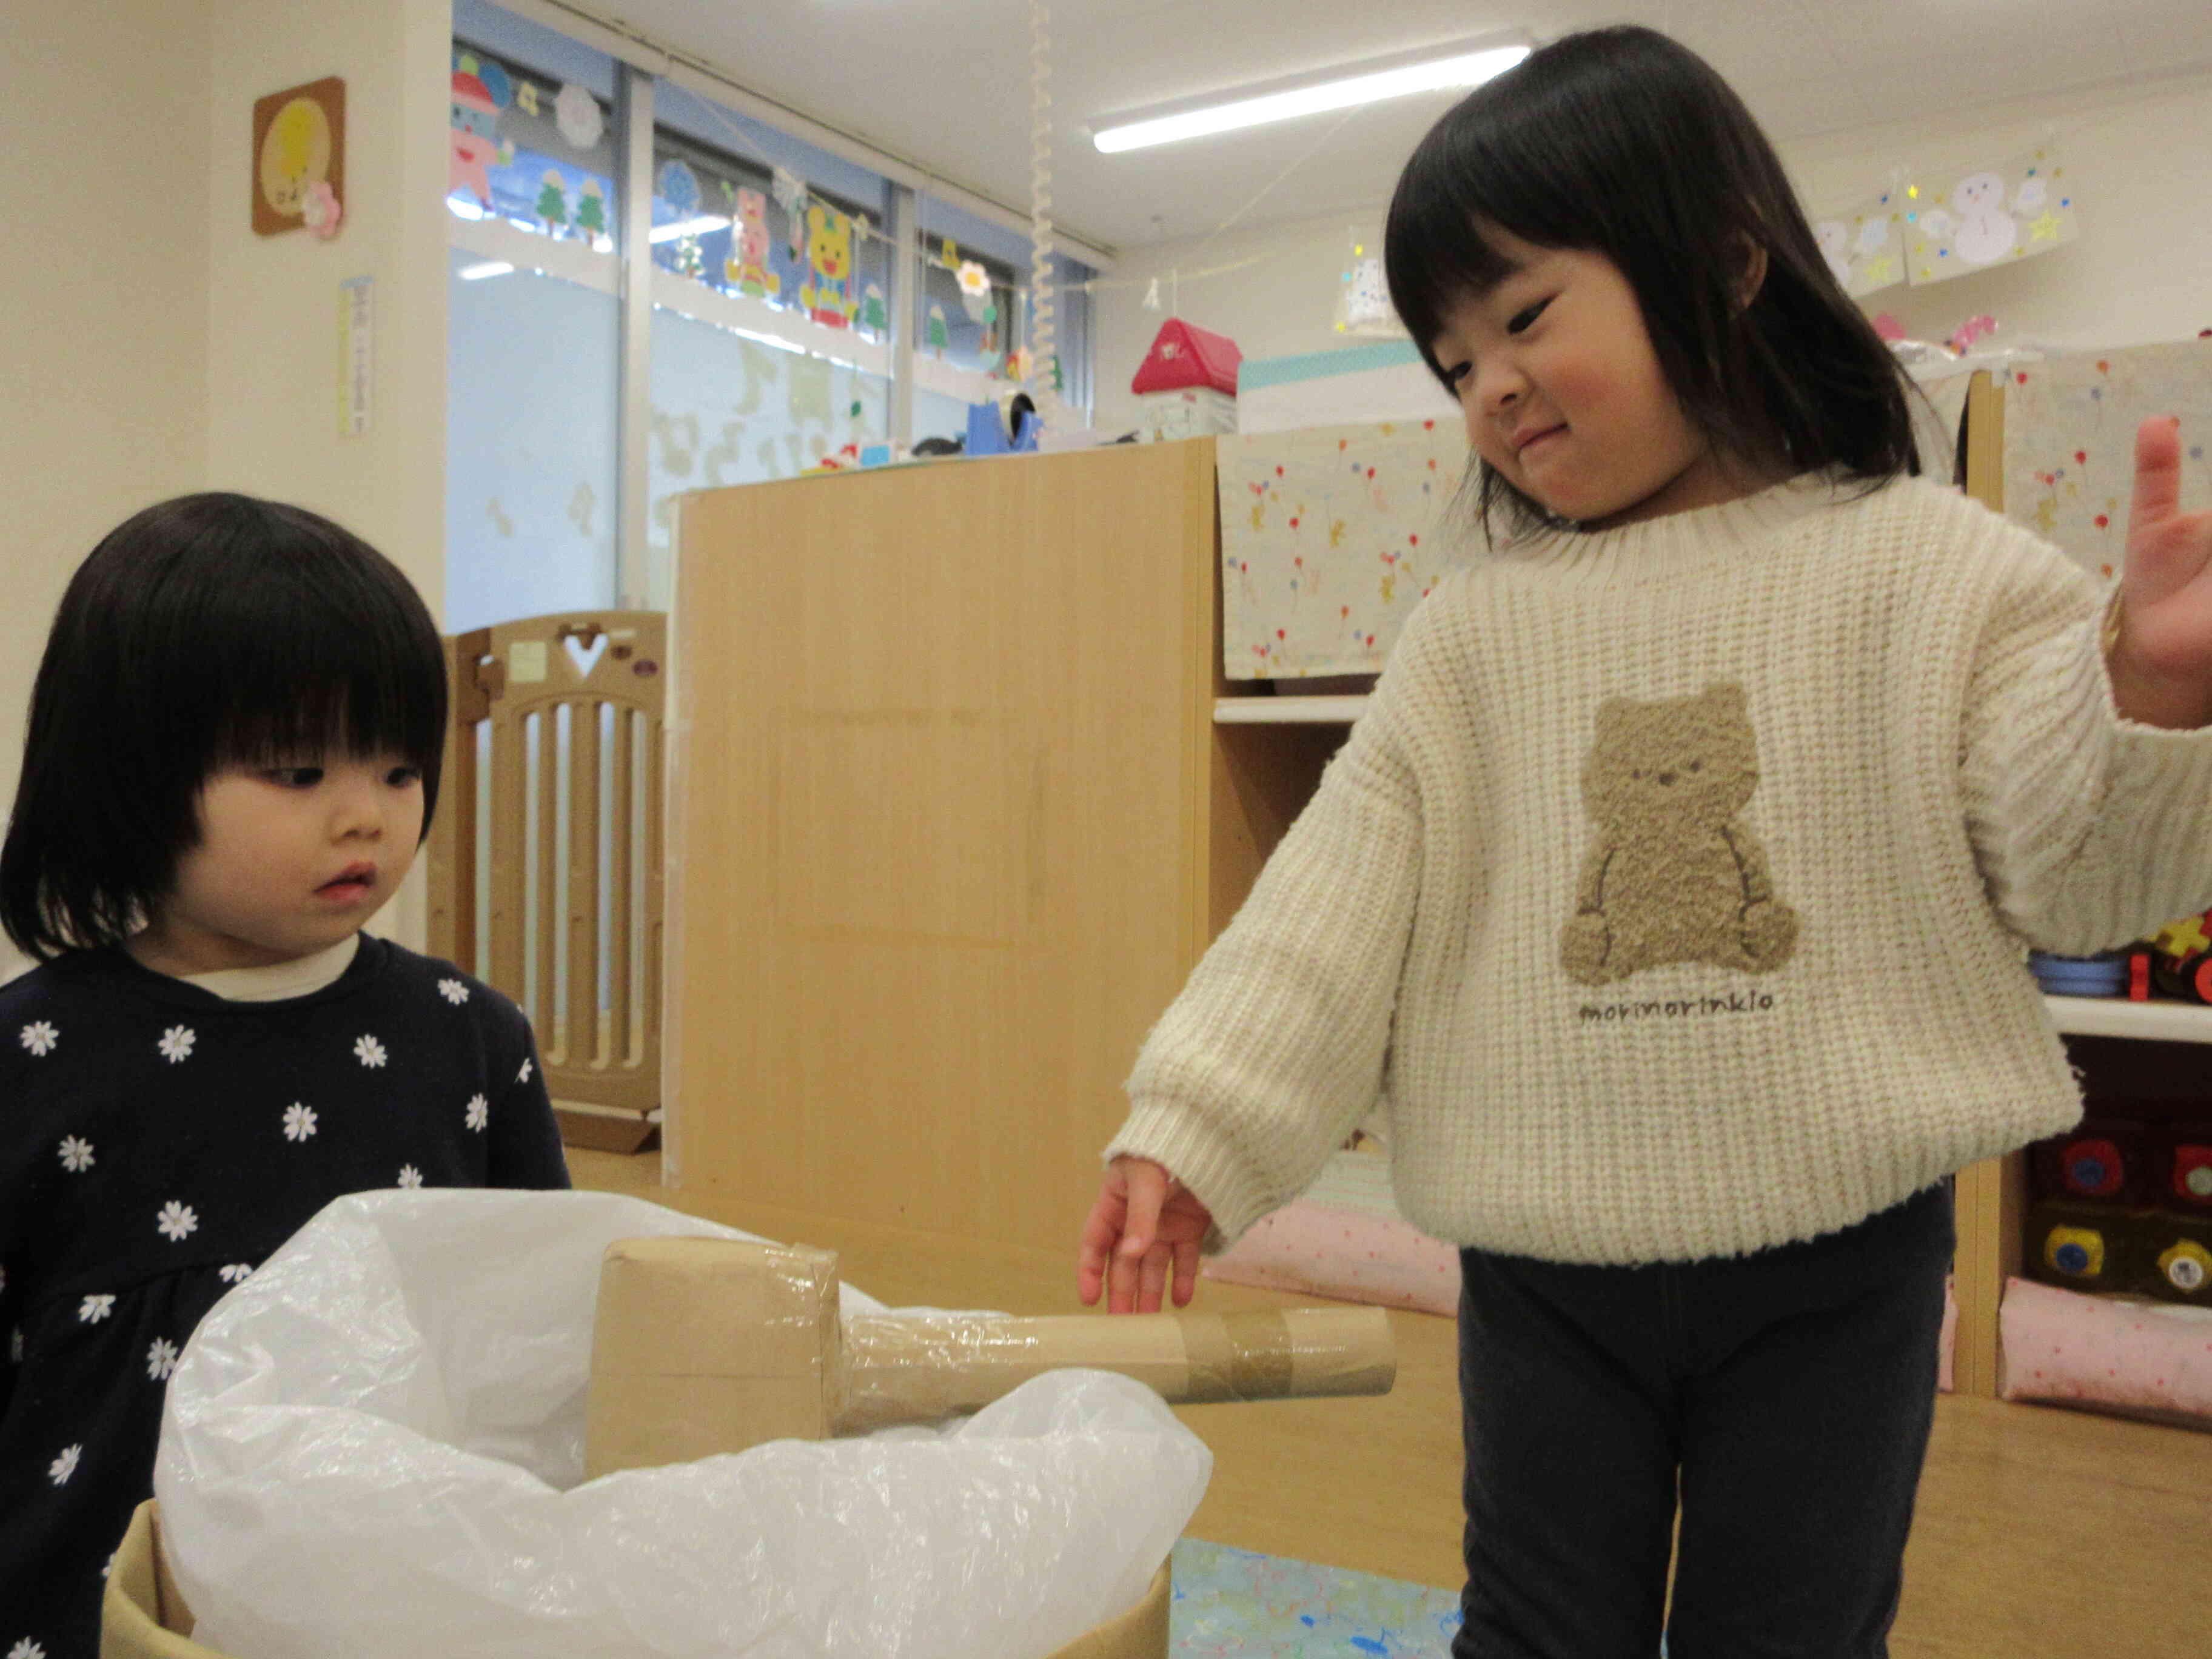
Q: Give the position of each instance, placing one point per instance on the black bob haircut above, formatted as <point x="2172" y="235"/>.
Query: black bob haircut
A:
<point x="205" y="632"/>
<point x="1623" y="143"/>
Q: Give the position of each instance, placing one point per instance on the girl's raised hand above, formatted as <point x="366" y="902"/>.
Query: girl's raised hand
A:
<point x="1143" y="1221"/>
<point x="2161" y="659"/>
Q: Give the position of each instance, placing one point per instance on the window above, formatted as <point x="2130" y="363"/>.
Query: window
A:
<point x="776" y="296"/>
<point x="532" y="341"/>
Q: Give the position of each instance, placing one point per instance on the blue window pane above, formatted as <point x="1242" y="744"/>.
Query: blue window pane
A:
<point x="531" y="457"/>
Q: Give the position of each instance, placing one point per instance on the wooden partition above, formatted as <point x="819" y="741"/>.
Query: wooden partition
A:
<point x="941" y="779"/>
<point x="546" y="859"/>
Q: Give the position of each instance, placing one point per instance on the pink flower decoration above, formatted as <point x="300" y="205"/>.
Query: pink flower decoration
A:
<point x="319" y="207"/>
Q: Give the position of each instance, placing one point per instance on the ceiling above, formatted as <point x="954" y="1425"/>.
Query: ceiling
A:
<point x="947" y="82"/>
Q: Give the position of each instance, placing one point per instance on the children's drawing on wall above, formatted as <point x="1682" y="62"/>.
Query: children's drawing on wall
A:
<point x="299" y="157"/>
<point x="2069" y="440"/>
<point x="1988" y="215"/>
<point x="1864" y="248"/>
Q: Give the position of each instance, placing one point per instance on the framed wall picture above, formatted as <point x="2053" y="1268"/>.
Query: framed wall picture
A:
<point x="298" y="157"/>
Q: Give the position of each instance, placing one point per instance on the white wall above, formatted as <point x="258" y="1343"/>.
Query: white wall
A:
<point x="154" y="345"/>
<point x="272" y="424"/>
<point x="2140" y="156"/>
<point x="103" y="362"/>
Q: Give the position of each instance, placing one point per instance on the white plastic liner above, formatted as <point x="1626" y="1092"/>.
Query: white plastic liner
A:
<point x="373" y="1447"/>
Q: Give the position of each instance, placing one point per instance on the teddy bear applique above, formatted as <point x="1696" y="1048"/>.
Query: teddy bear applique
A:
<point x="1672" y="873"/>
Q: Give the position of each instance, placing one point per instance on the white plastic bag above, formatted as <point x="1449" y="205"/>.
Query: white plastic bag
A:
<point x="372" y="1447"/>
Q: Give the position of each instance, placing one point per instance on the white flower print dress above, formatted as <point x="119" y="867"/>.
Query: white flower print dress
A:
<point x="157" y="1143"/>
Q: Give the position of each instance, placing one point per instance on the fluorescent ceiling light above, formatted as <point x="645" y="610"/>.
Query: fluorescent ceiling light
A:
<point x="1458" y="67"/>
<point x="699" y="227"/>
<point x="477" y="273"/>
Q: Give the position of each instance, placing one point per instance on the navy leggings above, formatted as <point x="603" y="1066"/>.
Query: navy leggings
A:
<point x="1785" y="1397"/>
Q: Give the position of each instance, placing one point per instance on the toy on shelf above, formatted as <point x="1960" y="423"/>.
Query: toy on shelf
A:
<point x="2104" y="1159"/>
<point x="1187" y="385"/>
<point x="2176" y="962"/>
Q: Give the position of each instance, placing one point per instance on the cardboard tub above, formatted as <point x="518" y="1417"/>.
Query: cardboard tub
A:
<point x="144" y="1616"/>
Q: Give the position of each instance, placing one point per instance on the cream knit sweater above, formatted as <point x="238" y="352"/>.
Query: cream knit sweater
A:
<point x="1674" y="891"/>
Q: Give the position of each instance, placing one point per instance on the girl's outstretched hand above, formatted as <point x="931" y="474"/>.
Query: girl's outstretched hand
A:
<point x="2161" y="659"/>
<point x="1145" y="1221"/>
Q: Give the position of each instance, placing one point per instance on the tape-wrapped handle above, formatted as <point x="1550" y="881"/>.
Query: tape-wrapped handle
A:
<point x="910" y="1369"/>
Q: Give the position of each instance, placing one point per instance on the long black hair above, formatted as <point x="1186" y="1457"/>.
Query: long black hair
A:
<point x="1624" y="143"/>
<point x="208" y="631"/>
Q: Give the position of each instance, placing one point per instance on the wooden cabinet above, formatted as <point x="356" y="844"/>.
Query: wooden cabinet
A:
<point x="946" y="807"/>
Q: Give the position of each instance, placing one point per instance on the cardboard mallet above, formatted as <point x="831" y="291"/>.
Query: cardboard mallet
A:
<point x="705" y="1346"/>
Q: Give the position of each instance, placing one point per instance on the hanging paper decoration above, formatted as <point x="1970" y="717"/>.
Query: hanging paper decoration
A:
<point x="474" y="138"/>
<point x="1865" y="248"/>
<point x="934" y="333"/>
<point x="790" y="195"/>
<point x="679" y="186"/>
<point x="553" y="203"/>
<point x="746" y="268"/>
<point x="1018" y="364"/>
<point x="1362" y="302"/>
<point x="873" y="316"/>
<point x="829" y="295"/>
<point x="1962" y="224"/>
<point x="591" y="210"/>
<point x="525" y="98"/>
<point x="949" y="255"/>
<point x="577" y="114"/>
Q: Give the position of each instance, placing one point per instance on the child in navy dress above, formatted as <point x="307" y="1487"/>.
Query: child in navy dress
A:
<point x="232" y="760"/>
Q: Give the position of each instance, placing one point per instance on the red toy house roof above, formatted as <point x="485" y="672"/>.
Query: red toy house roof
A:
<point x="1183" y="356"/>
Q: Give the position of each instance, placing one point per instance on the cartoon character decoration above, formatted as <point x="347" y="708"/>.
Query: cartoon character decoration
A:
<point x="747" y="269"/>
<point x="831" y="296"/>
<point x="1674" y="874"/>
<point x="474" y="139"/>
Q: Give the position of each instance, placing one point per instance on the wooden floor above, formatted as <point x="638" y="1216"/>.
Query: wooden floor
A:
<point x="2040" y="1534"/>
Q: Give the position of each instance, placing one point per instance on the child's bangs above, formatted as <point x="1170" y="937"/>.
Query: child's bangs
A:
<point x="307" y="691"/>
<point x="1467" y="180"/>
<point x="316" y="655"/>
